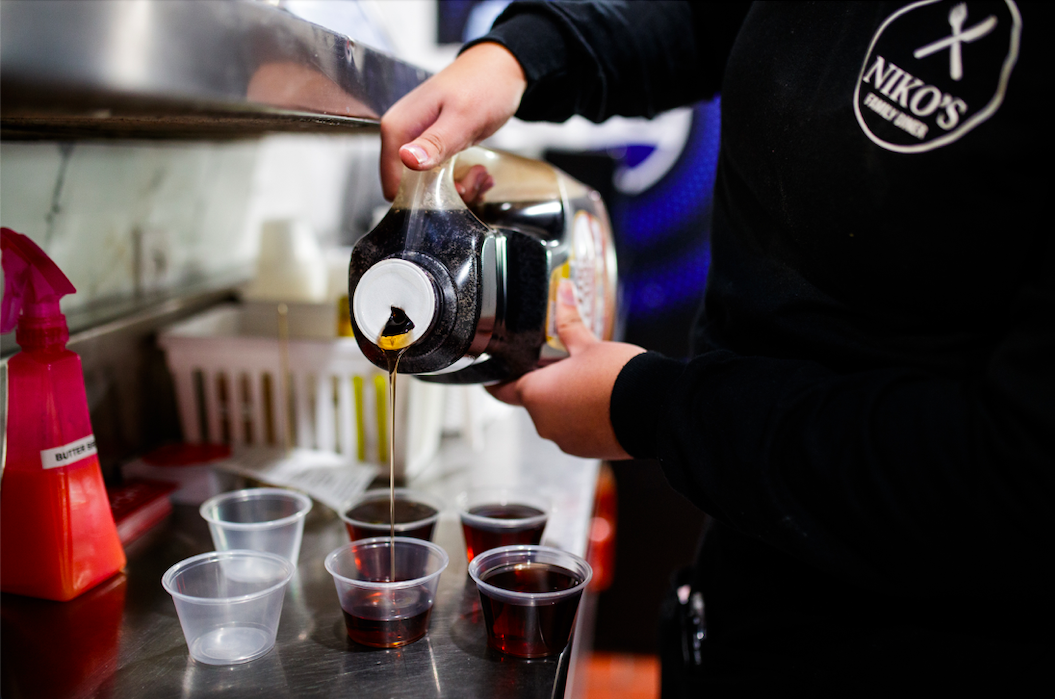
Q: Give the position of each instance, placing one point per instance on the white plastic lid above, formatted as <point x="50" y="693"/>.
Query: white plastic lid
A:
<point x="397" y="283"/>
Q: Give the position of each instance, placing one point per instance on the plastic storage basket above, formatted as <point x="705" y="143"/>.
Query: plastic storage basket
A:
<point x="229" y="388"/>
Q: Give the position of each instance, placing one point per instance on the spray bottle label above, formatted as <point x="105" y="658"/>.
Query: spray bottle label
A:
<point x="68" y="453"/>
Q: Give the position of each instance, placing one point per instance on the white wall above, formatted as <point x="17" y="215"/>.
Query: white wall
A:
<point x="116" y="215"/>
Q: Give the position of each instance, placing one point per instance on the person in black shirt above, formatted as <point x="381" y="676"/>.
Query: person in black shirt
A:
<point x="869" y="417"/>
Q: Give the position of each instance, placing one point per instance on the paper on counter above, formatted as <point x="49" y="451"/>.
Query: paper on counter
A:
<point x="329" y="478"/>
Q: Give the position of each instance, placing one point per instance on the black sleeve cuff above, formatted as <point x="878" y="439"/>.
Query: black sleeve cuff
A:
<point x="533" y="39"/>
<point x="536" y="38"/>
<point x="640" y="401"/>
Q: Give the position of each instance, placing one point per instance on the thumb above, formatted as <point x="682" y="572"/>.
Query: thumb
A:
<point x="570" y="328"/>
<point x="506" y="392"/>
<point x="435" y="145"/>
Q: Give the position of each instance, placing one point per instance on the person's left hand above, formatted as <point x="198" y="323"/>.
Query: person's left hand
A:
<point x="569" y="400"/>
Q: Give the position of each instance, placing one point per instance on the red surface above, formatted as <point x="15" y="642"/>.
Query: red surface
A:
<point x="86" y="631"/>
<point x="187" y="454"/>
<point x="621" y="676"/>
<point x="138" y="505"/>
<point x="600" y="552"/>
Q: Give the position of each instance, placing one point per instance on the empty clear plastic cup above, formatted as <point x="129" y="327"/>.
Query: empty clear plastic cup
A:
<point x="261" y="519"/>
<point x="369" y="514"/>
<point x="493" y="517"/>
<point x="384" y="605"/>
<point x="529" y="596"/>
<point x="229" y="603"/>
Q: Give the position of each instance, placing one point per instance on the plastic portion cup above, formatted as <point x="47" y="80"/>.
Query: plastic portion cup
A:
<point x="529" y="596"/>
<point x="229" y="603"/>
<point x="261" y="519"/>
<point x="416" y="514"/>
<point x="493" y="517"/>
<point x="377" y="611"/>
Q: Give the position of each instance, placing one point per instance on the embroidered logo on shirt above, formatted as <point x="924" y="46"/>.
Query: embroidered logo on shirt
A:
<point x="934" y="71"/>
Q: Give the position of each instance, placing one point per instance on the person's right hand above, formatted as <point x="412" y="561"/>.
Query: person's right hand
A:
<point x="570" y="401"/>
<point x="458" y="107"/>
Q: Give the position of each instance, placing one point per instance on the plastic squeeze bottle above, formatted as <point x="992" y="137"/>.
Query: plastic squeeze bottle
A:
<point x="474" y="286"/>
<point x="57" y="534"/>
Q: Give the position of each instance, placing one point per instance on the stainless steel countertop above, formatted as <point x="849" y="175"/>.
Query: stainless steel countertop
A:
<point x="123" y="638"/>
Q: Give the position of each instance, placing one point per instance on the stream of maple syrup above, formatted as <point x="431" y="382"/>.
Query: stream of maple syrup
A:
<point x="393" y="341"/>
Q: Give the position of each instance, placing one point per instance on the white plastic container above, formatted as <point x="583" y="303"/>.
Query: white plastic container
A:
<point x="290" y="266"/>
<point x="261" y="519"/>
<point x="229" y="388"/>
<point x="229" y="603"/>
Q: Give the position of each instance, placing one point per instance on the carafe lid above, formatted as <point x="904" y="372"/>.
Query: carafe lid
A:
<point x="394" y="283"/>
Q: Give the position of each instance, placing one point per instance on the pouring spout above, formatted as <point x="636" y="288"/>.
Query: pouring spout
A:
<point x="397" y="330"/>
<point x="394" y="303"/>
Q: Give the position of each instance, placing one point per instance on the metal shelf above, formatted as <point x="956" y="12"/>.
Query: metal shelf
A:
<point x="203" y="70"/>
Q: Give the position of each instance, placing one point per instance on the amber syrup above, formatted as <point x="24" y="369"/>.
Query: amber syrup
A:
<point x="393" y="341"/>
<point x="530" y="631"/>
<point x="374" y="516"/>
<point x="383" y="633"/>
<point x="480" y="538"/>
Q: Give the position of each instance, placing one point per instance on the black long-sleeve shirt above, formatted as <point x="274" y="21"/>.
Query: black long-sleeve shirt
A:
<point x="870" y="415"/>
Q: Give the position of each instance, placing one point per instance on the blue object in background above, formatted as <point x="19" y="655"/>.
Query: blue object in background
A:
<point x="461" y="21"/>
<point x="663" y="238"/>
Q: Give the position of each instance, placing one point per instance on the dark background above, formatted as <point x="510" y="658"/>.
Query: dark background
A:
<point x="662" y="238"/>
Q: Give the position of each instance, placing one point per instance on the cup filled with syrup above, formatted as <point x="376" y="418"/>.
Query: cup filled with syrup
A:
<point x="369" y="515"/>
<point x="529" y="596"/>
<point x="493" y="517"/>
<point x="386" y="587"/>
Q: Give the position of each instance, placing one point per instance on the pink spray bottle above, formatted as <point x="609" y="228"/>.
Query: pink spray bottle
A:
<point x="57" y="535"/>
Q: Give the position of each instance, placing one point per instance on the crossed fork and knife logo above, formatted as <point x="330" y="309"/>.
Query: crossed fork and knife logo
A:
<point x="959" y="36"/>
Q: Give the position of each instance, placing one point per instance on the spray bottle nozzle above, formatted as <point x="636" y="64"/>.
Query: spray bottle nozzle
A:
<point x="33" y="286"/>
